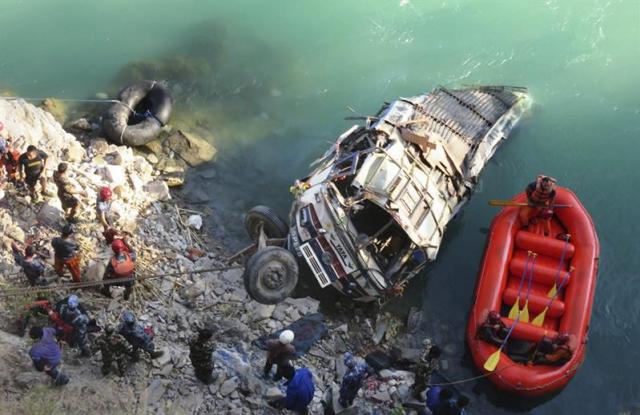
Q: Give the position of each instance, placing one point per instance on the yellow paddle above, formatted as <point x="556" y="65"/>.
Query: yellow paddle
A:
<point x="539" y="320"/>
<point x="525" y="310"/>
<point x="492" y="361"/>
<point x="515" y="311"/>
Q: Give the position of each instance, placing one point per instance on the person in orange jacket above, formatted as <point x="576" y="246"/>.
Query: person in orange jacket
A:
<point x="121" y="265"/>
<point x="541" y="195"/>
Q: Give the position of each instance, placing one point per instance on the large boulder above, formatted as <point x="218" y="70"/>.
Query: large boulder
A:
<point x="190" y="147"/>
<point x="56" y="108"/>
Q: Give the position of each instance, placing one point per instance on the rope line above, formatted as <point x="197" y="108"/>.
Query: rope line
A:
<point x="87" y="284"/>
<point x="465" y="380"/>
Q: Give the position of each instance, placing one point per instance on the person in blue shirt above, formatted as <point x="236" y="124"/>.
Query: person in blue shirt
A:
<point x="46" y="354"/>
<point x="352" y="380"/>
<point x="300" y="390"/>
<point x="441" y="402"/>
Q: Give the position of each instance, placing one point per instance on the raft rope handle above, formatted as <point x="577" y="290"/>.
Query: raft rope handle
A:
<point x="465" y="380"/>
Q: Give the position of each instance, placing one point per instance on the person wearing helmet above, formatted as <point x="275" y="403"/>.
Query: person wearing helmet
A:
<point x="9" y="157"/>
<point x="31" y="166"/>
<point x="493" y="330"/>
<point x="352" y="380"/>
<point x="121" y="265"/>
<point x="427" y="364"/>
<point x="46" y="354"/>
<point x="32" y="266"/>
<point x="67" y="192"/>
<point x="201" y="354"/>
<point x="541" y="195"/>
<point x="135" y="334"/>
<point x="113" y="347"/>
<point x="554" y="352"/>
<point x="66" y="253"/>
<point x="75" y="315"/>
<point x="103" y="209"/>
<point x="280" y="351"/>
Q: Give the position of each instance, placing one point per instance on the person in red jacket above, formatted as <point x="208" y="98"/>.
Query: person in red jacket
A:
<point x="541" y="195"/>
<point x="121" y="265"/>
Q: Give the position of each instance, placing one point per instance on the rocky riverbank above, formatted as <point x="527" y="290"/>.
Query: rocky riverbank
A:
<point x="168" y="240"/>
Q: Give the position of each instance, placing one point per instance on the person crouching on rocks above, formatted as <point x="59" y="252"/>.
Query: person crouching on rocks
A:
<point x="32" y="165"/>
<point x="66" y="192"/>
<point x="352" y="380"/>
<point x="137" y="337"/>
<point x="66" y="253"/>
<point x="121" y="265"/>
<point x="201" y="355"/>
<point x="280" y="352"/>
<point x="46" y="354"/>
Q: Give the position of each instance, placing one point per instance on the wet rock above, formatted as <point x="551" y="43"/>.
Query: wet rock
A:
<point x="158" y="189"/>
<point x="80" y="124"/>
<point x="190" y="147"/>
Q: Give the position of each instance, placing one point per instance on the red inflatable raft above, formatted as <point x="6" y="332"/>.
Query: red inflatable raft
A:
<point x="570" y="311"/>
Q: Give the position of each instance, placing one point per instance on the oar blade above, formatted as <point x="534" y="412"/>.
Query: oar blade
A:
<point x="515" y="310"/>
<point x="540" y="318"/>
<point x="552" y="292"/>
<point x="524" y="314"/>
<point x="492" y="361"/>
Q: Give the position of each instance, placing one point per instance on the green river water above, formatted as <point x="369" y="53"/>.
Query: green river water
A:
<point x="271" y="81"/>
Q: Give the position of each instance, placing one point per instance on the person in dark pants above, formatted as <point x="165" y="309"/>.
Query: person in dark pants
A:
<point x="32" y="266"/>
<point x="541" y="195"/>
<point x="113" y="347"/>
<point x="201" y="355"/>
<point x="31" y="166"/>
<point x="66" y="192"/>
<point x="73" y="314"/>
<point x="46" y="354"/>
<point x="137" y="337"/>
<point x="121" y="265"/>
<point x="426" y="365"/>
<point x="66" y="254"/>
<point x="352" y="380"/>
<point x="103" y="209"/>
<point x="493" y="330"/>
<point x="280" y="352"/>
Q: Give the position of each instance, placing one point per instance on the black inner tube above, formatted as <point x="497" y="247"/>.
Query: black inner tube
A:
<point x="150" y="103"/>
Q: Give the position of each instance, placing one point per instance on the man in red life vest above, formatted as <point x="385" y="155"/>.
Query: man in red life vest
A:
<point x="121" y="265"/>
<point x="541" y="195"/>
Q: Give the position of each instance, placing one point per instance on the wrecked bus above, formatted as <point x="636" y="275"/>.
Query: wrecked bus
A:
<point x="373" y="211"/>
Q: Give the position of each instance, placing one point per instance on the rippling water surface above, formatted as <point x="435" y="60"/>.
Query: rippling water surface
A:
<point x="272" y="81"/>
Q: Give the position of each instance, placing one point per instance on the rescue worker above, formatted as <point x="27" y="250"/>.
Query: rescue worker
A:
<point x="426" y="365"/>
<point x="493" y="330"/>
<point x="103" y="208"/>
<point x="42" y="306"/>
<point x="121" y="265"/>
<point x="439" y="399"/>
<point x="76" y="316"/>
<point x="352" y="380"/>
<point x="137" y="337"/>
<point x="554" y="352"/>
<point x="66" y="254"/>
<point x="66" y="192"/>
<point x="46" y="354"/>
<point x="300" y="390"/>
<point x="113" y="347"/>
<point x="279" y="352"/>
<point x="31" y="166"/>
<point x="9" y="157"/>
<point x="32" y="266"/>
<point x="201" y="355"/>
<point x="540" y="198"/>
